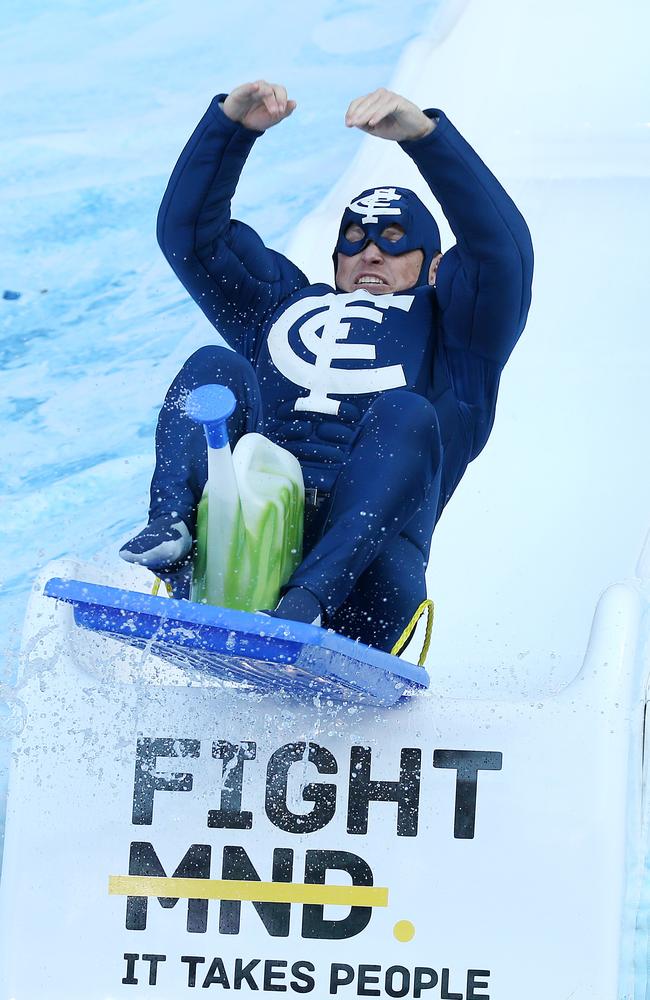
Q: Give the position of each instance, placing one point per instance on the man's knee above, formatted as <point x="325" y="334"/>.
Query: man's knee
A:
<point x="410" y="418"/>
<point x="213" y="362"/>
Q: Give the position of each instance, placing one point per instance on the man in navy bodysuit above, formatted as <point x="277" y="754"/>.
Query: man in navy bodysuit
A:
<point x="384" y="388"/>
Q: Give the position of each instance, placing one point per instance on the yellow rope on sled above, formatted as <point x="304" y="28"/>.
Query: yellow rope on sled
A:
<point x="407" y="634"/>
<point x="156" y="587"/>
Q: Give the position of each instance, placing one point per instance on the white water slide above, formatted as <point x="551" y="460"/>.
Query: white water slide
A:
<point x="486" y="839"/>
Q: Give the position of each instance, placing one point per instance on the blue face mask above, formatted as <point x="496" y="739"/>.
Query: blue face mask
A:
<point x="376" y="209"/>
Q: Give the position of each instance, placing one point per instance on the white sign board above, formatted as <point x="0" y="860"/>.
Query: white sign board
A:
<point x="171" y="836"/>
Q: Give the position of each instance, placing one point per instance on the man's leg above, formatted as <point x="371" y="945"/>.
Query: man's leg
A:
<point x="393" y="469"/>
<point x="385" y="596"/>
<point x="181" y="456"/>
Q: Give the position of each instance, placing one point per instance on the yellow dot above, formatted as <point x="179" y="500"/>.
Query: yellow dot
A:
<point x="404" y="930"/>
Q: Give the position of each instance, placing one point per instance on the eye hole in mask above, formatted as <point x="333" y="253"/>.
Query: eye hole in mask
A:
<point x="392" y="233"/>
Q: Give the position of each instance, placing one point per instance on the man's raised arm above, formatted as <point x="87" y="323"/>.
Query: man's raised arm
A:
<point x="229" y="272"/>
<point x="484" y="283"/>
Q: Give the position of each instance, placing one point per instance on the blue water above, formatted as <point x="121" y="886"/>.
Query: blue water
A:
<point x="98" y="101"/>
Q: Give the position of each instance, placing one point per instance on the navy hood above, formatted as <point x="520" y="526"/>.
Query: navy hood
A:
<point x="375" y="209"/>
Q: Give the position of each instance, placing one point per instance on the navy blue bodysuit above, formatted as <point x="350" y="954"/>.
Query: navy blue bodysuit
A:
<point x="384" y="399"/>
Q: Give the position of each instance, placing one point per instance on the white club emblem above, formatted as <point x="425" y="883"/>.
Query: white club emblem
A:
<point x="377" y="203"/>
<point x="323" y="334"/>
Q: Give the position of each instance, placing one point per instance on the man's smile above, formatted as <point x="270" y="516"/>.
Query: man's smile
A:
<point x="368" y="278"/>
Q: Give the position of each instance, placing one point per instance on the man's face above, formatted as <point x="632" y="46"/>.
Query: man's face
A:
<point x="375" y="271"/>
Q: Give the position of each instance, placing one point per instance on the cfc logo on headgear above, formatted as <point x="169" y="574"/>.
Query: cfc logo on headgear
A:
<point x="375" y="204"/>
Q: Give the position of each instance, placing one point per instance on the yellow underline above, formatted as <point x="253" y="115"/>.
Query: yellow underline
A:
<point x="257" y="892"/>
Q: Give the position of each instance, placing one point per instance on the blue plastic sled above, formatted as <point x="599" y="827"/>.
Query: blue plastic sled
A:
<point x="262" y="652"/>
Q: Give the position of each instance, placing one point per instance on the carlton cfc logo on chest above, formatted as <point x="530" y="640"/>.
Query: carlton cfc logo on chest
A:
<point x="325" y="327"/>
